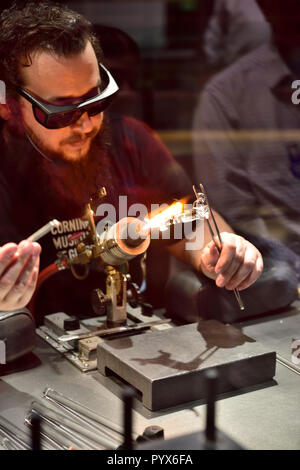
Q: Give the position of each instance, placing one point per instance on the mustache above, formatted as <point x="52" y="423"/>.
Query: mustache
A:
<point x="78" y="137"/>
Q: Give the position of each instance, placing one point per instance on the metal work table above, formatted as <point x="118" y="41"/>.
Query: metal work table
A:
<point x="262" y="417"/>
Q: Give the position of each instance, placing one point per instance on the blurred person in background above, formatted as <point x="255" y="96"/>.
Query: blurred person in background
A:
<point x="235" y="28"/>
<point x="247" y="144"/>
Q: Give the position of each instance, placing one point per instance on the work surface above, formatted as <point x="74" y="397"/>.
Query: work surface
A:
<point x="262" y="417"/>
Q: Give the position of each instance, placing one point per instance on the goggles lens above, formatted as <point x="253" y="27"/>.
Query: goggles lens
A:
<point x="56" y="117"/>
<point x="64" y="119"/>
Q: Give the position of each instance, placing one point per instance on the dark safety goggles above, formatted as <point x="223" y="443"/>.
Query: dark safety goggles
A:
<point x="56" y="117"/>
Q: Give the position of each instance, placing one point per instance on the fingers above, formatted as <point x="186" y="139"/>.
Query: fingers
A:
<point x="7" y="253"/>
<point x="210" y="255"/>
<point x="26" y="284"/>
<point x="237" y="266"/>
<point x="230" y="261"/>
<point x="209" y="259"/>
<point x="241" y="267"/>
<point x="246" y="269"/>
<point x="19" y="268"/>
<point x="253" y="276"/>
<point x="13" y="271"/>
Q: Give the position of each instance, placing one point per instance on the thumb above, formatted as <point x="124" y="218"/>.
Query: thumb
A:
<point x="212" y="254"/>
<point x="209" y="258"/>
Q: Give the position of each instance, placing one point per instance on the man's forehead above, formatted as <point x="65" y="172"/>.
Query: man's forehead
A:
<point x="57" y="77"/>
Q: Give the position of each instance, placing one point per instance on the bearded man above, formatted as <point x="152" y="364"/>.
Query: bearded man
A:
<point x="59" y="145"/>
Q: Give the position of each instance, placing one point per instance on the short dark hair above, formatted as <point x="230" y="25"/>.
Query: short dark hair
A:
<point x="40" y="26"/>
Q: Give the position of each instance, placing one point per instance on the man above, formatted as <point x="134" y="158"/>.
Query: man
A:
<point x="248" y="147"/>
<point x="51" y="167"/>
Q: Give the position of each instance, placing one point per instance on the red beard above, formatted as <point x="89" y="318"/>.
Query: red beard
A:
<point x="61" y="188"/>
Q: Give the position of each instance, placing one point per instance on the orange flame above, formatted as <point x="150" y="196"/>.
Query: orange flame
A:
<point x="162" y="217"/>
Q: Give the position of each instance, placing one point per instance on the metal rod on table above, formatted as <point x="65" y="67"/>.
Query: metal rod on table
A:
<point x="47" y="433"/>
<point x="16" y="439"/>
<point x="88" y="422"/>
<point x="53" y="443"/>
<point x="8" y="444"/>
<point x="58" y="397"/>
<point x="88" y="417"/>
<point x="112" y="331"/>
<point x="72" y="436"/>
<point x="219" y="248"/>
<point x="71" y="427"/>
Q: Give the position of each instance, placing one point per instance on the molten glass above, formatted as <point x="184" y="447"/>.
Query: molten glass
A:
<point x="164" y="218"/>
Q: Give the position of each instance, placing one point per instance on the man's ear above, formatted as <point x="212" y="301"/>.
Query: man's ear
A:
<point x="5" y="112"/>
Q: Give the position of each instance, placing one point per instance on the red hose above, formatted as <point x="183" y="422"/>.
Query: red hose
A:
<point x="49" y="271"/>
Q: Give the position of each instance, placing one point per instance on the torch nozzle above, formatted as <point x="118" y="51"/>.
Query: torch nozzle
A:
<point x="135" y="233"/>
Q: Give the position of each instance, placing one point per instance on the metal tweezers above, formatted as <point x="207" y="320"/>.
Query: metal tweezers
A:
<point x="219" y="248"/>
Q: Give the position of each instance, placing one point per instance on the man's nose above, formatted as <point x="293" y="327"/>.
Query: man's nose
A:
<point x="84" y="122"/>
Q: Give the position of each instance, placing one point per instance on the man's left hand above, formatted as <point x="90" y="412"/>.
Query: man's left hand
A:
<point x="237" y="266"/>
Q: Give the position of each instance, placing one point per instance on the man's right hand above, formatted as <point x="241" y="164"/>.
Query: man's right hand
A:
<point x="19" y="269"/>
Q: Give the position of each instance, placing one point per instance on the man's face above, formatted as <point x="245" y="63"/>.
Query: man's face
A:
<point x="62" y="81"/>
